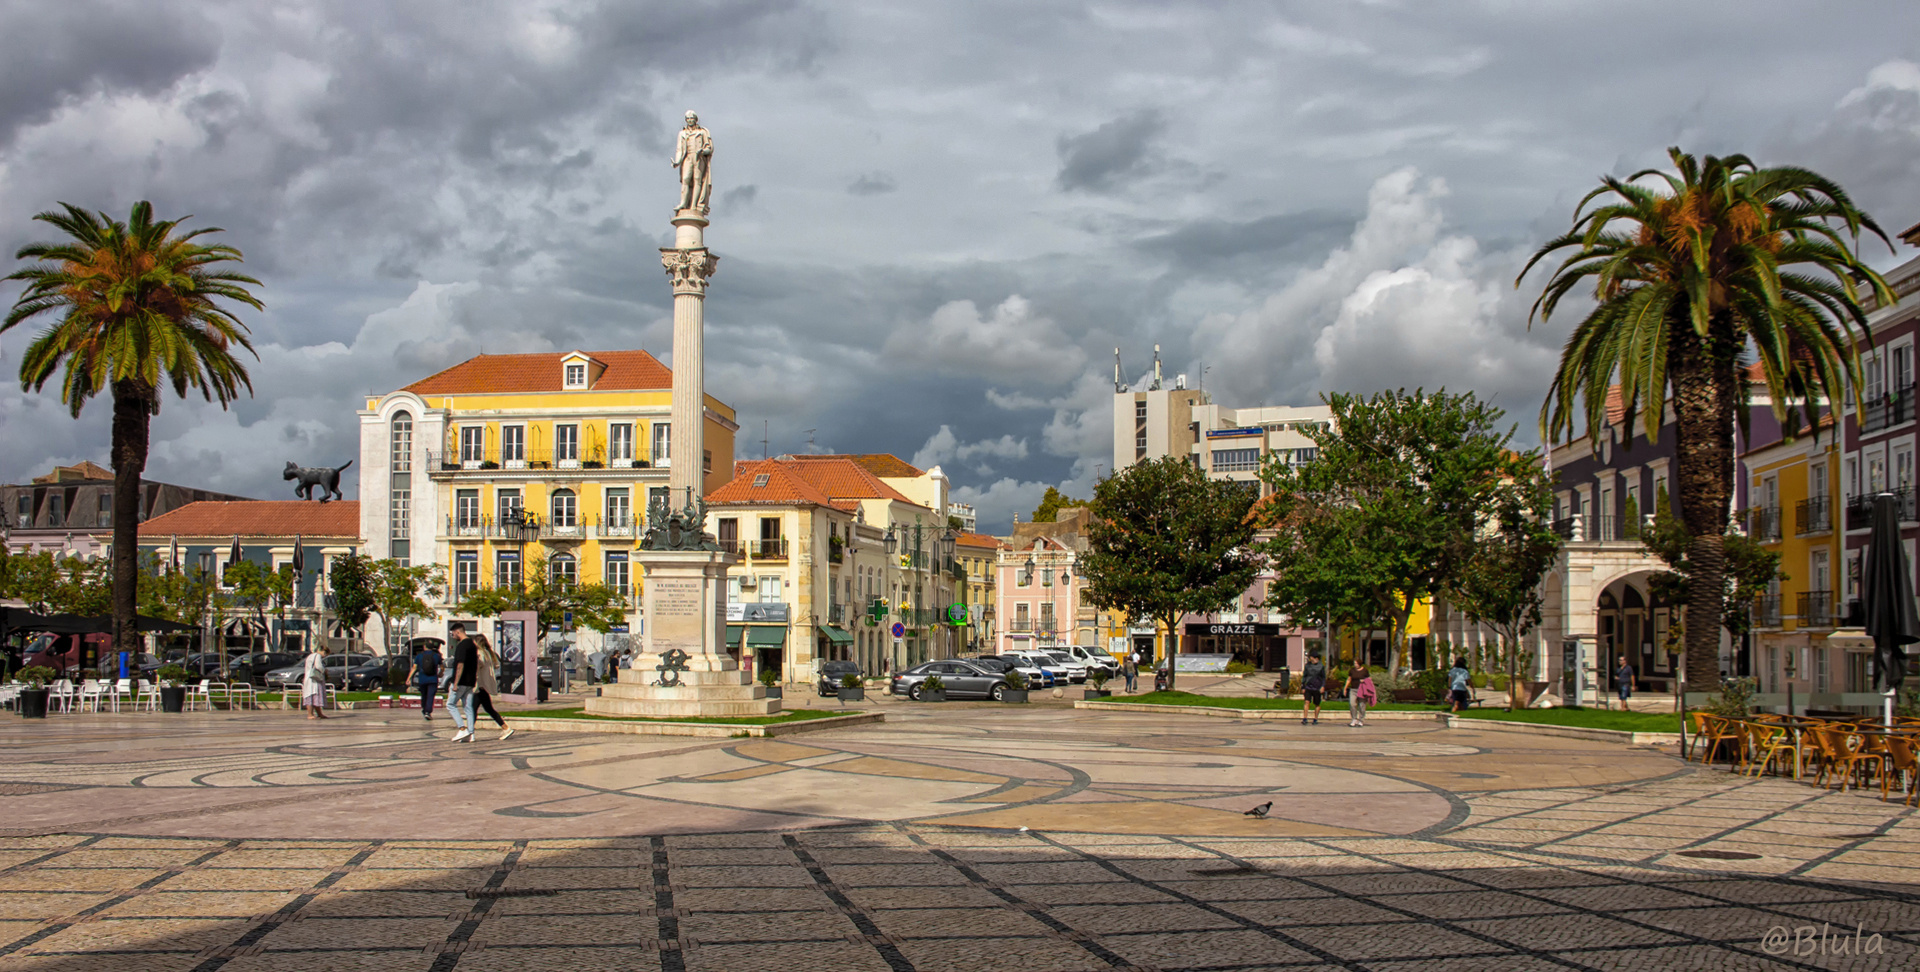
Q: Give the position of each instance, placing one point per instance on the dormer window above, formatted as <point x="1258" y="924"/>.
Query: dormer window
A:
<point x="576" y="374"/>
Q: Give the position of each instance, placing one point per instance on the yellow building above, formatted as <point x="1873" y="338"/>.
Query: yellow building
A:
<point x="977" y="554"/>
<point x="1790" y="510"/>
<point x="505" y="460"/>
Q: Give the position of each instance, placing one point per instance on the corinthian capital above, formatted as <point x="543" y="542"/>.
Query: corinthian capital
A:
<point x="689" y="269"/>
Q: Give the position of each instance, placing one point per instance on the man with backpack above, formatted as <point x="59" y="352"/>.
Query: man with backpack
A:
<point x="426" y="676"/>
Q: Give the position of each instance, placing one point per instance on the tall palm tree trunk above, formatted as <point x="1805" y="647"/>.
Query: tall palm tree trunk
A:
<point x="132" y="411"/>
<point x="1705" y="391"/>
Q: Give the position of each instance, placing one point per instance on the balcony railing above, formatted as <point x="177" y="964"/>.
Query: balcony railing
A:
<point x="1816" y="609"/>
<point x="729" y="545"/>
<point x="621" y="527"/>
<point x="489" y="459"/>
<point x="1766" y="611"/>
<point x="1594" y="527"/>
<point x="775" y="549"/>
<point x="1020" y="625"/>
<point x="1860" y="508"/>
<point x="1887" y="411"/>
<point x="1814" y="515"/>
<point x="836" y="612"/>
<point x="1763" y="523"/>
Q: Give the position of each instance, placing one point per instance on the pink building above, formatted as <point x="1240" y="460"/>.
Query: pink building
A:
<point x="1037" y="593"/>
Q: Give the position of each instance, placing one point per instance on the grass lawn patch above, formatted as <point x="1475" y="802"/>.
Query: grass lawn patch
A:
<point x="1188" y="698"/>
<point x="1585" y="718"/>
<point x="797" y="715"/>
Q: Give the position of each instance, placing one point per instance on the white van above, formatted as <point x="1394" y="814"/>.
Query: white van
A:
<point x="1094" y="657"/>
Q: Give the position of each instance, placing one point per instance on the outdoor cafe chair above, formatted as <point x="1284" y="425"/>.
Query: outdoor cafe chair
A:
<point x="1766" y="742"/>
<point x="197" y="694"/>
<point x="10" y="696"/>
<point x="93" y="693"/>
<point x="1709" y="731"/>
<point x="1843" y="757"/>
<point x="148" y="697"/>
<point x="242" y="692"/>
<point x="60" y="695"/>
<point x="122" y="690"/>
<point x="1903" y="752"/>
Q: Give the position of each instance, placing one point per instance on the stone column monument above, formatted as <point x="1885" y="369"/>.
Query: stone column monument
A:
<point x="686" y="669"/>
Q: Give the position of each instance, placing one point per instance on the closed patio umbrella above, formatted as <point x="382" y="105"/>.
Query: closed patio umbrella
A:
<point x="1887" y="593"/>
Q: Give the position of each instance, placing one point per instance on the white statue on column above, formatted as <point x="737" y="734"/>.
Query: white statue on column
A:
<point x="694" y="158"/>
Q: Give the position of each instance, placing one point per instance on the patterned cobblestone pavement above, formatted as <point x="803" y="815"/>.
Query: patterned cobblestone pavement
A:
<point x="1543" y="855"/>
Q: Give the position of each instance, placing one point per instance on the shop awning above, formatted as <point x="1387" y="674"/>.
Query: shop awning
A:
<point x="836" y="635"/>
<point x="766" y="636"/>
<point x="734" y="633"/>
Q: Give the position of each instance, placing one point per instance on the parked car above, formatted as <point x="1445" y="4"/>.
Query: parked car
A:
<point x="827" y="681"/>
<point x="373" y="675"/>
<point x="254" y="666"/>
<point x="1047" y="663"/>
<point x="963" y="680"/>
<point x="1036" y="676"/>
<point x="1095" y="658"/>
<point x="288" y="679"/>
<point x="1077" y="669"/>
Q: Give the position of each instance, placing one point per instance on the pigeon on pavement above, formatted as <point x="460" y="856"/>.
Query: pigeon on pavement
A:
<point x="1259" y="811"/>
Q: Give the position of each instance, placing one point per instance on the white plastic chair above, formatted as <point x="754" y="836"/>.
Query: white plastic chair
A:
<point x="10" y="696"/>
<point x="92" y="693"/>
<point x="239" y="694"/>
<point x="218" y="692"/>
<point x="148" y="697"/>
<point x="197" y="695"/>
<point x="122" y="690"/>
<point x="60" y="696"/>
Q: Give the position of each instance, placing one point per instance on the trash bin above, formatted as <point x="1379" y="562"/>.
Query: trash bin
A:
<point x="542" y="696"/>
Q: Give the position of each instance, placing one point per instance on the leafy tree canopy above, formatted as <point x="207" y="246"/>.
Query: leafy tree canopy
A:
<point x="1052" y="503"/>
<point x="1750" y="568"/>
<point x="596" y="607"/>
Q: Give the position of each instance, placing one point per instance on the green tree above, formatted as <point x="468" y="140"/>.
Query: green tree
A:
<point x="260" y="588"/>
<point x="1166" y="542"/>
<point x="138" y="310"/>
<point x="351" y="583"/>
<point x="1749" y="572"/>
<point x="47" y="584"/>
<point x="1388" y="513"/>
<point x="1516" y="545"/>
<point x="186" y="595"/>
<point x="1052" y="503"/>
<point x="596" y="607"/>
<point x="1688" y="270"/>
<point x="399" y="593"/>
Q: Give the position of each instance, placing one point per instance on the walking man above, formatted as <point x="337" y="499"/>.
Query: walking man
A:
<point x="1623" y="681"/>
<point x="1313" y="686"/>
<point x="1131" y="669"/>
<point x="466" y="674"/>
<point x="426" y="675"/>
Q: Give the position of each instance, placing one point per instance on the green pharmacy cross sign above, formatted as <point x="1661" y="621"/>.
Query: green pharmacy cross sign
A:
<point x="957" y="615"/>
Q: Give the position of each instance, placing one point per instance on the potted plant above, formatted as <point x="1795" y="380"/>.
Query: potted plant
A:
<point x="1016" y="687"/>
<point x="933" y="689"/>
<point x="852" y="689"/>
<point x="770" y="679"/>
<point x="173" y="689"/>
<point x="33" y="698"/>
<point x="1098" y="679"/>
<point x="1478" y="680"/>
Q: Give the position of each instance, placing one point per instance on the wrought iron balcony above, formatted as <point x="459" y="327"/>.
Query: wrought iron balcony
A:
<point x="1860" y="508"/>
<point x="1887" y="411"/>
<point x="1813" y="515"/>
<point x="1816" y="609"/>
<point x="621" y="527"/>
<point x="1766" y="611"/>
<point x="775" y="549"/>
<point x="1763" y="523"/>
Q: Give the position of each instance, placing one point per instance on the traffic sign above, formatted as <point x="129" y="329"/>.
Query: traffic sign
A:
<point x="899" y="630"/>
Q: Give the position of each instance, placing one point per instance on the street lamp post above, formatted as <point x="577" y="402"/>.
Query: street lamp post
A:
<point x="942" y="540"/>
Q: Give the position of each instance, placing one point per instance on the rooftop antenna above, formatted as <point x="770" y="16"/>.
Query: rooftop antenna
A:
<point x="1156" y="367"/>
<point x="1117" y="386"/>
<point x="764" y="425"/>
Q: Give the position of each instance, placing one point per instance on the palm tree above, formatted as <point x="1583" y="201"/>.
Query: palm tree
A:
<point x="137" y="308"/>
<point x="1687" y="277"/>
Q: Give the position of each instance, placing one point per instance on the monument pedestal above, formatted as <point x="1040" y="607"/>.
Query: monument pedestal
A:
<point x="685" y="602"/>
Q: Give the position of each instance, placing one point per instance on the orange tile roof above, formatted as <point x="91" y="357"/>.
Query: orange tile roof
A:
<point x="500" y="373"/>
<point x="841" y="477"/>
<point x="978" y="540"/>
<point x="85" y="469"/>
<point x="886" y="466"/>
<point x="782" y="487"/>
<point x="258" y="518"/>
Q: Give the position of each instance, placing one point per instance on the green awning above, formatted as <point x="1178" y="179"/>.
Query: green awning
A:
<point x="766" y="636"/>
<point x="835" y="635"/>
<point x="734" y="633"/>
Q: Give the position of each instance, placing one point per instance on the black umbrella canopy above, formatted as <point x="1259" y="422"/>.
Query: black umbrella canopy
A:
<point x="1887" y="593"/>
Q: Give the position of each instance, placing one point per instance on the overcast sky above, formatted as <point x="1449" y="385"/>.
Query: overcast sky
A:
<point x="936" y="220"/>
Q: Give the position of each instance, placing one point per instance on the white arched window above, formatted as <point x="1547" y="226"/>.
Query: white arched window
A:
<point x="563" y="569"/>
<point x="565" y="510"/>
<point x="401" y="439"/>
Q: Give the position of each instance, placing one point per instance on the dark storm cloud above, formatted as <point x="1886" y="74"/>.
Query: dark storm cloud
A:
<point x="53" y="53"/>
<point x="1328" y="195"/>
<point x="1099" y="160"/>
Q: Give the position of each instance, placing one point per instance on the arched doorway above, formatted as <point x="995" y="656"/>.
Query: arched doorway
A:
<point x="1633" y="627"/>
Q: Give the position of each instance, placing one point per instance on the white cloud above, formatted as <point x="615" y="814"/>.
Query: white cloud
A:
<point x="944" y="446"/>
<point x="1012" y="342"/>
